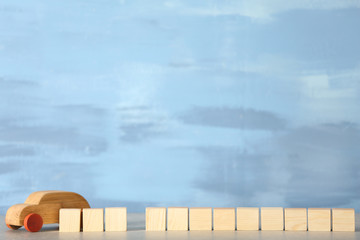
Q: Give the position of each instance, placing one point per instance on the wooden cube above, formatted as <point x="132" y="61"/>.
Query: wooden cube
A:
<point x="224" y="219"/>
<point x="116" y="219"/>
<point x="155" y="219"/>
<point x="200" y="219"/>
<point x="178" y="219"/>
<point x="272" y="218"/>
<point x="69" y="219"/>
<point x="343" y="219"/>
<point x="295" y="219"/>
<point x="247" y="218"/>
<point x="319" y="219"/>
<point x="93" y="220"/>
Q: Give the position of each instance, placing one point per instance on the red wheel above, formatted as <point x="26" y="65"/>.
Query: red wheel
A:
<point x="13" y="227"/>
<point x="33" y="222"/>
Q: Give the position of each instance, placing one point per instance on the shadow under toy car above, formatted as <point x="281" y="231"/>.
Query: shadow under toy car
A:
<point x="42" y="208"/>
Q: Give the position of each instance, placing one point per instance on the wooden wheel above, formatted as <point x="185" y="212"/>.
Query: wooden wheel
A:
<point x="33" y="222"/>
<point x="13" y="227"/>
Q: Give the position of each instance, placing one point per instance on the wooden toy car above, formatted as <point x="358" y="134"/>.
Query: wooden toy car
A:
<point x="42" y="208"/>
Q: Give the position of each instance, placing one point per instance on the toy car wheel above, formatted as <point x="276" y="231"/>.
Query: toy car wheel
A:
<point x="13" y="227"/>
<point x="33" y="222"/>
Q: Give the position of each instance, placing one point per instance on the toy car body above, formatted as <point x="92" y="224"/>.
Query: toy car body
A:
<point x="42" y="208"/>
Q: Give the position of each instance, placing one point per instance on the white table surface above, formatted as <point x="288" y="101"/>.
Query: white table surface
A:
<point x="136" y="231"/>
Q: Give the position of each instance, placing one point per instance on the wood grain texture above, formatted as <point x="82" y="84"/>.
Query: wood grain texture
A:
<point x="45" y="203"/>
<point x="155" y="219"/>
<point x="247" y="218"/>
<point x="69" y="220"/>
<point x="319" y="219"/>
<point x="272" y="218"/>
<point x="67" y="199"/>
<point x="343" y="219"/>
<point x="93" y="220"/>
<point x="178" y="219"/>
<point x="295" y="219"/>
<point x="200" y="218"/>
<point x="116" y="219"/>
<point x="224" y="219"/>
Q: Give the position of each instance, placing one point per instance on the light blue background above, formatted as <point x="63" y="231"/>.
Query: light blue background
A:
<point x="181" y="103"/>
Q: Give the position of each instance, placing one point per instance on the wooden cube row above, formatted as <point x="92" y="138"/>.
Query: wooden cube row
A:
<point x="92" y="219"/>
<point x="272" y="218"/>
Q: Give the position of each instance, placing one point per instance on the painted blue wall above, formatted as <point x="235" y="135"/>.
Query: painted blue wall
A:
<point x="194" y="103"/>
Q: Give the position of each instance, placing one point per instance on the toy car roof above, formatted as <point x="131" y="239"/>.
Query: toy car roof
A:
<point x="54" y="196"/>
